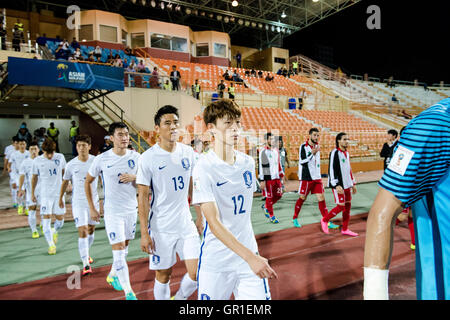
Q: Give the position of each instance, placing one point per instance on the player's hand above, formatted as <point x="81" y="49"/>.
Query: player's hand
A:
<point x="402" y="216"/>
<point x="354" y="189"/>
<point x="260" y="266"/>
<point x="339" y="190"/>
<point x="33" y="198"/>
<point x="262" y="185"/>
<point x="147" y="244"/>
<point x="95" y="215"/>
<point x="315" y="149"/>
<point x="61" y="203"/>
<point x="126" y="178"/>
<point x="14" y="186"/>
<point x="199" y="225"/>
<point x="20" y="193"/>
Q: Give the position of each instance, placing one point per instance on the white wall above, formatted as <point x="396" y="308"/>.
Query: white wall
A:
<point x="10" y="126"/>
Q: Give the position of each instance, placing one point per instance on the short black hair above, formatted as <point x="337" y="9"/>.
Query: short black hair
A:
<point x="15" y="138"/>
<point x="339" y="137"/>
<point x="313" y="130"/>
<point x="393" y="132"/>
<point x="267" y="135"/>
<point x="21" y="140"/>
<point x="167" y="109"/>
<point x="33" y="143"/>
<point x="116" y="125"/>
<point x="401" y="131"/>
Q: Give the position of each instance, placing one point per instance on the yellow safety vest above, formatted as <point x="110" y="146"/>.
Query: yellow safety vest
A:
<point x="197" y="87"/>
<point x="73" y="132"/>
<point x="231" y="90"/>
<point x="53" y="133"/>
<point x="167" y="87"/>
<point x="294" y="65"/>
<point x="19" y="26"/>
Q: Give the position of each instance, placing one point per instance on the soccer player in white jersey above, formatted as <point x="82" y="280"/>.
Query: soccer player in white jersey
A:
<point x="8" y="151"/>
<point x="48" y="169"/>
<point x="224" y="182"/>
<point x="76" y="171"/>
<point x="15" y="159"/>
<point x="25" y="172"/>
<point x="166" y="169"/>
<point x="118" y="168"/>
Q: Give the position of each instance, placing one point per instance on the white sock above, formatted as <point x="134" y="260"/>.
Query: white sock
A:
<point x="58" y="224"/>
<point x="187" y="287"/>
<point x="126" y="251"/>
<point x="120" y="264"/>
<point x="83" y="248"/>
<point x="32" y="220"/>
<point x="48" y="231"/>
<point x="91" y="239"/>
<point x="161" y="291"/>
<point x="14" y="195"/>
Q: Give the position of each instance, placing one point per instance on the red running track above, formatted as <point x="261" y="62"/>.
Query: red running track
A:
<point x="310" y="265"/>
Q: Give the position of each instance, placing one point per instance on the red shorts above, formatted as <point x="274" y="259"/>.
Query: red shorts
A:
<point x="313" y="186"/>
<point x="273" y="189"/>
<point x="342" y="198"/>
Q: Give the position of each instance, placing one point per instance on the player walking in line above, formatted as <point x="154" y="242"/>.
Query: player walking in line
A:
<point x="342" y="183"/>
<point x="25" y="172"/>
<point x="76" y="171"/>
<point x="417" y="177"/>
<point x="310" y="177"/>
<point x="48" y="170"/>
<point x="270" y="173"/>
<point x="224" y="183"/>
<point x="117" y="168"/>
<point x="14" y="162"/>
<point x="8" y="151"/>
<point x="166" y="168"/>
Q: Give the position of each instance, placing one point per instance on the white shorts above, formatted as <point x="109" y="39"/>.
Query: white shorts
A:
<point x="168" y="245"/>
<point x="51" y="206"/>
<point x="82" y="217"/>
<point x="243" y="283"/>
<point x="120" y="227"/>
<point x="28" y="201"/>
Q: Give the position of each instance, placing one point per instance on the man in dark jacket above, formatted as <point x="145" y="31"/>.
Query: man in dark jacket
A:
<point x="389" y="146"/>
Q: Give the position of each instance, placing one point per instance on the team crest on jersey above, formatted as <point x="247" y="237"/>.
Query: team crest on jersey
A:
<point x="248" y="179"/>
<point x="185" y="163"/>
<point x="112" y="235"/>
<point x="131" y="164"/>
<point x="57" y="162"/>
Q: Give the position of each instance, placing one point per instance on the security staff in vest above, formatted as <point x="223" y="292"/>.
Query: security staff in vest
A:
<point x="231" y="91"/>
<point x="53" y="134"/>
<point x="19" y="25"/>
<point x="295" y="67"/>
<point x="74" y="132"/>
<point x="196" y="90"/>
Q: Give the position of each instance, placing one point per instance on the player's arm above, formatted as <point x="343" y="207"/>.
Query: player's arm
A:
<point x="95" y="215"/>
<point x="258" y="264"/>
<point x="262" y="183"/>
<point x="378" y="246"/>
<point x="303" y="159"/>
<point x="143" y="210"/>
<point x="34" y="181"/>
<point x="21" y="180"/>
<point x="64" y="185"/>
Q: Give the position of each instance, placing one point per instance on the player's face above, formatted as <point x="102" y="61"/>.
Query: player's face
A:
<point x="16" y="145"/>
<point x="228" y="130"/>
<point x="168" y="128"/>
<point x="391" y="137"/>
<point x="121" y="138"/>
<point x="315" y="137"/>
<point x="343" y="143"/>
<point x="83" y="148"/>
<point x="22" y="146"/>
<point x="271" y="141"/>
<point x="34" y="151"/>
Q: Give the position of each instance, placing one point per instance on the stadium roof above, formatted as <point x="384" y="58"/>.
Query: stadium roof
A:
<point x="263" y="22"/>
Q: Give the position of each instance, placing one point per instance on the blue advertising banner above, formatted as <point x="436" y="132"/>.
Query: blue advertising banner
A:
<point x="60" y="73"/>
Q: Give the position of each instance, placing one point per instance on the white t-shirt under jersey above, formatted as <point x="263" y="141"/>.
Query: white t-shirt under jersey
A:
<point x="231" y="187"/>
<point x="120" y="198"/>
<point x="76" y="171"/>
<point x="168" y="175"/>
<point x="49" y="174"/>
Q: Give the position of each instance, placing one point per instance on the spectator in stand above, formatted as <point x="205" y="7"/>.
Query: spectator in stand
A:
<point x="74" y="44"/>
<point x="154" y="79"/>
<point x="59" y="53"/>
<point x="394" y="99"/>
<point x="227" y="76"/>
<point x="175" y="77"/>
<point x="196" y="88"/>
<point x="238" y="60"/>
<point x="131" y="67"/>
<point x="110" y="59"/>
<point x="425" y="87"/>
<point x="17" y="39"/>
<point x="247" y="73"/>
<point x="91" y="58"/>
<point x="237" y="78"/>
<point x="260" y="74"/>
<point x="3" y="36"/>
<point x="128" y="51"/>
<point x="141" y="67"/>
<point x="65" y="45"/>
<point x="269" y="77"/>
<point x="253" y="73"/>
<point x="125" y="63"/>
<point x="300" y="100"/>
<point x="285" y="72"/>
<point x="280" y="72"/>
<point x="118" y="62"/>
<point x="221" y="88"/>
<point x="77" y="55"/>
<point x="98" y="53"/>
<point x="231" y="91"/>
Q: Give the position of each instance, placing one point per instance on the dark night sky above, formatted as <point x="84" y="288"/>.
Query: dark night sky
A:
<point x="410" y="44"/>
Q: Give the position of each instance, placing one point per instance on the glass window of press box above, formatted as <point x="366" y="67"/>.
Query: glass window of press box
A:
<point x="161" y="41"/>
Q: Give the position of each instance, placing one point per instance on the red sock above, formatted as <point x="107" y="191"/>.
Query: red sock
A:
<point x="397" y="222"/>
<point x="333" y="213"/>
<point x="411" y="230"/>
<point x="346" y="216"/>
<point x="298" y="207"/>
<point x="323" y="208"/>
<point x="269" y="206"/>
